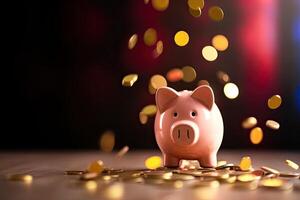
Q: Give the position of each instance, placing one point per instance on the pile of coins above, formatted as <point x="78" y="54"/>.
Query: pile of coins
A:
<point x="189" y="175"/>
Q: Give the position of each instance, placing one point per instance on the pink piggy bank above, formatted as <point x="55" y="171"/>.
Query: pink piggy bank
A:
<point x="188" y="125"/>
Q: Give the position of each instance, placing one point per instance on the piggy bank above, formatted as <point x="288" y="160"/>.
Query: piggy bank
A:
<point x="188" y="125"/>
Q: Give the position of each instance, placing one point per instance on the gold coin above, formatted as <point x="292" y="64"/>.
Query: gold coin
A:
<point x="195" y="12"/>
<point x="89" y="176"/>
<point x="270" y="170"/>
<point x="223" y="77"/>
<point x="274" y="102"/>
<point x="272" y="124"/>
<point x="231" y="90"/>
<point x="150" y="36"/>
<point x="245" y="163"/>
<point x="153" y="162"/>
<point x="114" y="191"/>
<point x="272" y="182"/>
<point x="249" y="122"/>
<point x="96" y="167"/>
<point x="149" y="110"/>
<point x="189" y="74"/>
<point x="160" y="5"/>
<point x="123" y="151"/>
<point x="195" y="4"/>
<point x="143" y="118"/>
<point x="156" y="82"/>
<point x="292" y="164"/>
<point x="209" y="53"/>
<point x="132" y="41"/>
<point x="256" y="135"/>
<point x="220" y="42"/>
<point x="74" y="172"/>
<point x="91" y="185"/>
<point x="159" y="49"/>
<point x="181" y="38"/>
<point x="107" y="141"/>
<point x="247" y="177"/>
<point x="21" y="177"/>
<point x="129" y="80"/>
<point x="174" y="75"/>
<point x="203" y="82"/>
<point x="216" y="13"/>
<point x="146" y="1"/>
<point x="289" y="175"/>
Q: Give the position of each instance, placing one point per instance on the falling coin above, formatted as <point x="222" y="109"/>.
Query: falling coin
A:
<point x="246" y="163"/>
<point x="272" y="124"/>
<point x="223" y="77"/>
<point x="250" y="122"/>
<point x="231" y="90"/>
<point x="203" y="82"/>
<point x="159" y="49"/>
<point x="195" y="12"/>
<point x="195" y="4"/>
<point x="123" y="151"/>
<point x="129" y="80"/>
<point x="274" y="102"/>
<point x="292" y="164"/>
<point x="150" y="36"/>
<point x="143" y="118"/>
<point x="160" y="5"/>
<point x="189" y="74"/>
<point x="149" y="110"/>
<point x="132" y="41"/>
<point x="174" y="75"/>
<point x="156" y="82"/>
<point x="209" y="53"/>
<point x="220" y="42"/>
<point x="96" y="167"/>
<point x="216" y="13"/>
<point x="256" y="135"/>
<point x="181" y="38"/>
<point x="21" y="177"/>
<point x="107" y="141"/>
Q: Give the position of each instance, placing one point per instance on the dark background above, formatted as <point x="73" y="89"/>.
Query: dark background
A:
<point x="69" y="58"/>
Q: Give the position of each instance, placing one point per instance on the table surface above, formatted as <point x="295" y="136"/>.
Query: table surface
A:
<point x="49" y="181"/>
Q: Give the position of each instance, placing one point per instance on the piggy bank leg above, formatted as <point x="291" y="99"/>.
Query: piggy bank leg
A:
<point x="170" y="161"/>
<point x="208" y="160"/>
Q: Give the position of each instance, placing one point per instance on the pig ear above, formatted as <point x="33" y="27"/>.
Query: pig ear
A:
<point x="205" y="95"/>
<point x="164" y="97"/>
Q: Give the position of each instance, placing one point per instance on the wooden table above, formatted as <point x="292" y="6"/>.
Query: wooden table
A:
<point x="49" y="181"/>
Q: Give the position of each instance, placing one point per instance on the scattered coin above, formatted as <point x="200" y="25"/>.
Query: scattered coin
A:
<point x="246" y="163"/>
<point x="132" y="41"/>
<point x="195" y="4"/>
<point x="270" y="170"/>
<point x="150" y="36"/>
<point x="156" y="81"/>
<point x="195" y="12"/>
<point x="107" y="141"/>
<point x="216" y="13"/>
<point x="74" y="172"/>
<point x="153" y="162"/>
<point x="249" y="122"/>
<point x="123" y="151"/>
<point x="96" y="167"/>
<point x="181" y="38"/>
<point x="160" y="5"/>
<point x="174" y="75"/>
<point x="292" y="164"/>
<point x="189" y="74"/>
<point x="129" y="80"/>
<point x="256" y="135"/>
<point x="220" y="42"/>
<point x="272" y="124"/>
<point x="209" y="53"/>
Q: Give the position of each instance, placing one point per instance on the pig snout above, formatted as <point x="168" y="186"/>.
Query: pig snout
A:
<point x="184" y="132"/>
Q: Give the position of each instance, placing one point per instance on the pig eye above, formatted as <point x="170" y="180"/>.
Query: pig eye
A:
<point x="175" y="114"/>
<point x="193" y="113"/>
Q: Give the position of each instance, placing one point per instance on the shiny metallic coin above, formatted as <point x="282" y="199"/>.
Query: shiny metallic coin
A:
<point x="245" y="163"/>
<point x="107" y="141"/>
<point x="174" y="75"/>
<point x="181" y="38"/>
<point x="26" y="178"/>
<point x="150" y="36"/>
<point x="189" y="74"/>
<point x="209" y="53"/>
<point x="160" y="5"/>
<point x="274" y="102"/>
<point x="195" y="4"/>
<point x="132" y="41"/>
<point x="270" y="170"/>
<point x="195" y="12"/>
<point x="220" y="42"/>
<point x="129" y="80"/>
<point x="96" y="167"/>
<point x="123" y="151"/>
<point x="149" y="110"/>
<point x="272" y="124"/>
<point x="89" y="176"/>
<point x="249" y="122"/>
<point x="292" y="164"/>
<point x="216" y="13"/>
<point x="256" y="135"/>
<point x="74" y="172"/>
<point x="156" y="81"/>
